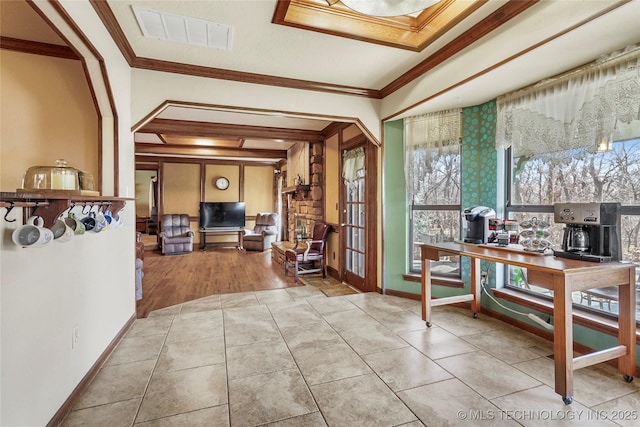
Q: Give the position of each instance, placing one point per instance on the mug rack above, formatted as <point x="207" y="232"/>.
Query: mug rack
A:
<point x="51" y="206"/>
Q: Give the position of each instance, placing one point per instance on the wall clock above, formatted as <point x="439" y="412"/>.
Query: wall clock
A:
<point x="222" y="183"/>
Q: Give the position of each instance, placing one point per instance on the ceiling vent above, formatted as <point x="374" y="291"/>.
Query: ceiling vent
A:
<point x="183" y="29"/>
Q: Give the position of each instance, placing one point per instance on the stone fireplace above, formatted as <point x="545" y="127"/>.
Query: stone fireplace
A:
<point x="305" y="207"/>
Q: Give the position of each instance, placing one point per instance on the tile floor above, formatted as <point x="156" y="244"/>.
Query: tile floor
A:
<point x="294" y="357"/>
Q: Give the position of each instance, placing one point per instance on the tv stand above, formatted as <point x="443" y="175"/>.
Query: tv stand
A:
<point x="221" y="231"/>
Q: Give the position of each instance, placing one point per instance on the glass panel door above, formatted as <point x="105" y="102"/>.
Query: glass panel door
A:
<point x="354" y="229"/>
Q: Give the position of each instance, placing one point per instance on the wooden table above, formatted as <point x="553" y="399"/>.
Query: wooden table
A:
<point x="562" y="276"/>
<point x="221" y="232"/>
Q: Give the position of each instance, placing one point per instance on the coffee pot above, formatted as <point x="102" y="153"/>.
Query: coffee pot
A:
<point x="592" y="231"/>
<point x="576" y="239"/>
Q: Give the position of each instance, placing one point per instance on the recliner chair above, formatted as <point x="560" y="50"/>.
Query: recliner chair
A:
<point x="175" y="236"/>
<point x="263" y="234"/>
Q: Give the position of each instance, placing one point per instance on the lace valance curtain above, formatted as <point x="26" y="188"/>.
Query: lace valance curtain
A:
<point x="582" y="108"/>
<point x="352" y="165"/>
<point x="433" y="132"/>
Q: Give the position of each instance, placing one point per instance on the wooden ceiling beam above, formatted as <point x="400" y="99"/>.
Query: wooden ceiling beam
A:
<point x="38" y="48"/>
<point x="142" y="149"/>
<point x="224" y="130"/>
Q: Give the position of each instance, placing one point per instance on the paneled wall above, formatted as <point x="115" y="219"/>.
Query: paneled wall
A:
<point x="215" y="171"/>
<point x="184" y="183"/>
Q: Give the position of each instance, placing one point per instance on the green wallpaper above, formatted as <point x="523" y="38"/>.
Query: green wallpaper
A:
<point x="479" y="155"/>
<point x="479" y="165"/>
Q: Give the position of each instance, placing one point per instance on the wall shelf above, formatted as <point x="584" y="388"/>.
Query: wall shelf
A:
<point x="50" y="204"/>
<point x="300" y="192"/>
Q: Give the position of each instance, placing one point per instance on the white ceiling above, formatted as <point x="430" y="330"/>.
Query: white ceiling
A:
<point x="546" y="39"/>
<point x="261" y="47"/>
<point x="264" y="48"/>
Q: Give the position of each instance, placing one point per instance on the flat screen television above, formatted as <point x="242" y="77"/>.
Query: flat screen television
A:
<point x="222" y="215"/>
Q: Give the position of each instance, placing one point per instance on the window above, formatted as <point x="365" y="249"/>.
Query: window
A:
<point x="432" y="171"/>
<point x="579" y="175"/>
<point x="576" y="138"/>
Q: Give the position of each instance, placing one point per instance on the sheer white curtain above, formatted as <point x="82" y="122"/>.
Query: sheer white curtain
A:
<point x="352" y="165"/>
<point x="582" y="108"/>
<point x="435" y="132"/>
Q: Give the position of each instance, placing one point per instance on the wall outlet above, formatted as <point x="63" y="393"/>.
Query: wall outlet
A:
<point x="75" y="335"/>
<point x="484" y="277"/>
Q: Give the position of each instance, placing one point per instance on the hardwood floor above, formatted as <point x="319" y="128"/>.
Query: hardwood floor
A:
<point x="174" y="279"/>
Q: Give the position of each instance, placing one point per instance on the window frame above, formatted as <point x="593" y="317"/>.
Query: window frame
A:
<point x="411" y="268"/>
<point x="628" y="210"/>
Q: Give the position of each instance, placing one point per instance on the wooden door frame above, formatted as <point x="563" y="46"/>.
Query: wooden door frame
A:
<point x="371" y="213"/>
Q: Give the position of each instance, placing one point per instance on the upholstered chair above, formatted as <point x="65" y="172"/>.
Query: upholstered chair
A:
<point x="308" y="256"/>
<point x="175" y="236"/>
<point x="263" y="234"/>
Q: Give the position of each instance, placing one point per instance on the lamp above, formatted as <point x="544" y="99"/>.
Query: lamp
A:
<point x="386" y="7"/>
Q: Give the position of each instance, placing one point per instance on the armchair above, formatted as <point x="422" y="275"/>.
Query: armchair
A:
<point x="309" y="259"/>
<point x="263" y="234"/>
<point x="175" y="236"/>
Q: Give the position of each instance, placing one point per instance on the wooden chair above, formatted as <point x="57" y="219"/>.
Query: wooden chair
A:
<point x="309" y="259"/>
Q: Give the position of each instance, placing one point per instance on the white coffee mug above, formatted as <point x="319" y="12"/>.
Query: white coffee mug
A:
<point x="117" y="221"/>
<point x="32" y="234"/>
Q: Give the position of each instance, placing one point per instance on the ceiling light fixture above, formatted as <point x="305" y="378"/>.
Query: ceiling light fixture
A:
<point x="386" y="7"/>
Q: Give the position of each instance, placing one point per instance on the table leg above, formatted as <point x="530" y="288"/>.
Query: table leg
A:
<point x="241" y="240"/>
<point x="426" y="291"/>
<point x="475" y="286"/>
<point x="203" y="241"/>
<point x="627" y="325"/>
<point x="563" y="339"/>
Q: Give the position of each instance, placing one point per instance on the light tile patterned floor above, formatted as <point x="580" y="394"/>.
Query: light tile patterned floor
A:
<point x="294" y="357"/>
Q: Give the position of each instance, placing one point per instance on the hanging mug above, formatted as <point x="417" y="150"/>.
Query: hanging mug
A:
<point x="74" y="222"/>
<point x="89" y="221"/>
<point x="32" y="233"/>
<point x="61" y="231"/>
<point x="109" y="218"/>
<point x="117" y="221"/>
<point x="101" y="223"/>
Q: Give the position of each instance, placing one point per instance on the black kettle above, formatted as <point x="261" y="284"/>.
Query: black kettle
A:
<point x="576" y="239"/>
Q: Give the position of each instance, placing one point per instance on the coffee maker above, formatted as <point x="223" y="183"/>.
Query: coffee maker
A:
<point x="592" y="232"/>
<point x="477" y="226"/>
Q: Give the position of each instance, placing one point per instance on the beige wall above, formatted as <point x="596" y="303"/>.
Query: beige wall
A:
<point x="143" y="180"/>
<point x="180" y="188"/>
<point x="213" y="194"/>
<point x="47" y="114"/>
<point x="258" y="189"/>
<point x="181" y="191"/>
